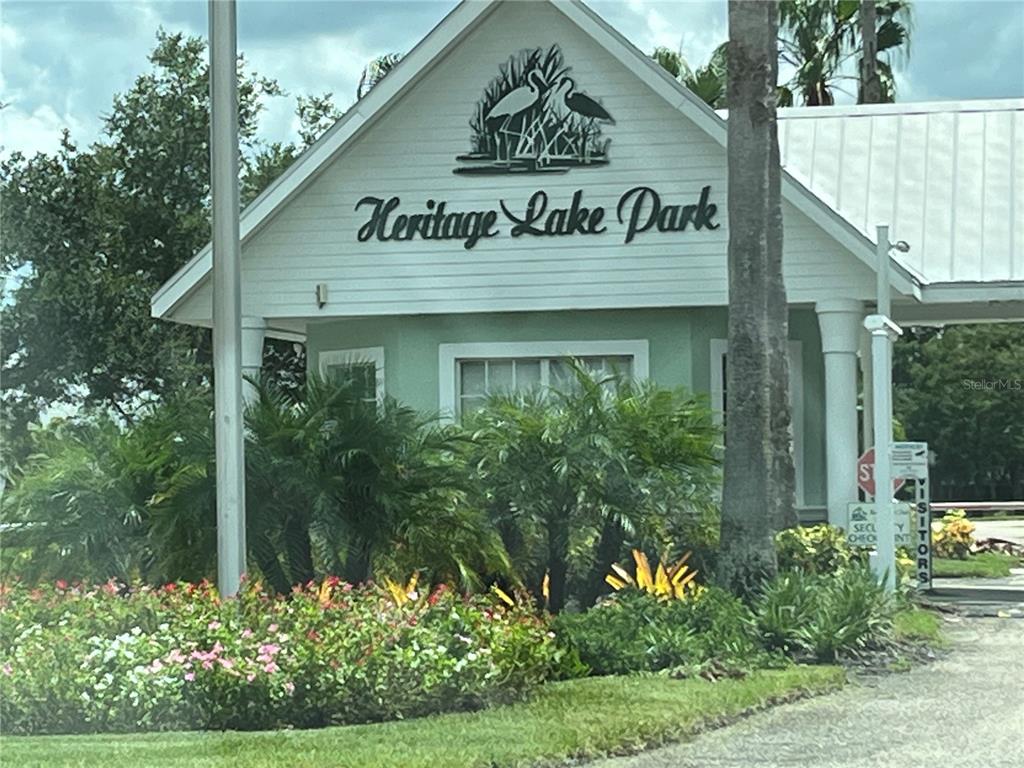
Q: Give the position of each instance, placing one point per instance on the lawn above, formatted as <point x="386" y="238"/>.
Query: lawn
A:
<point x="574" y="719"/>
<point x="920" y="625"/>
<point x="988" y="565"/>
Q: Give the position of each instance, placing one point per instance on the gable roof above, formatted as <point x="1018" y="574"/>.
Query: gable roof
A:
<point x="443" y="38"/>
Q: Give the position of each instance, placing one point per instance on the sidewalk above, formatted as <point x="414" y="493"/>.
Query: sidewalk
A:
<point x="966" y="710"/>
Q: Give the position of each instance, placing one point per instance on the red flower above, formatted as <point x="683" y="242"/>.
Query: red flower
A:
<point x="61" y="584"/>
<point x="436" y="594"/>
<point x="171" y="586"/>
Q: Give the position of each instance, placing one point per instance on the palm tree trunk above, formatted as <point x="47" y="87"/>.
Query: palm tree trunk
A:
<point x="870" y="91"/>
<point x="558" y="559"/>
<point x="747" y="551"/>
<point x="609" y="547"/>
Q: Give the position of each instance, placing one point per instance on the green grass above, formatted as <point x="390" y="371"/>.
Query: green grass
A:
<point x="917" y="624"/>
<point x="987" y="565"/>
<point x="575" y="719"/>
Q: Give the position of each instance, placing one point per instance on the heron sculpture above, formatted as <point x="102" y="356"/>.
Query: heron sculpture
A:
<point x="514" y="103"/>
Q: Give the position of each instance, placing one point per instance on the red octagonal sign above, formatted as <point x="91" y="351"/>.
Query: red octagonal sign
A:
<point x="866" y="474"/>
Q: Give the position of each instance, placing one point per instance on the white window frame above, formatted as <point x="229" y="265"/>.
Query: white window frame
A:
<point x="450" y="355"/>
<point x="796" y="397"/>
<point x="375" y="355"/>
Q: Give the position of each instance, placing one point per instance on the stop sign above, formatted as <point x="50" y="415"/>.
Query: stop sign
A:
<point x="866" y="473"/>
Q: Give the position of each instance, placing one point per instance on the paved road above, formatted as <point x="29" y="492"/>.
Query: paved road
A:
<point x="966" y="710"/>
<point x="1012" y="530"/>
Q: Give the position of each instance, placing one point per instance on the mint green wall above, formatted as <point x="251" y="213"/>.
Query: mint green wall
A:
<point x="679" y="339"/>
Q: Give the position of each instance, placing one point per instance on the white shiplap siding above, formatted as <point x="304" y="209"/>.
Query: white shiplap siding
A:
<point x="411" y="151"/>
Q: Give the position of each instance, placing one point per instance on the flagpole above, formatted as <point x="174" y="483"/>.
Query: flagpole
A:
<point x="227" y="298"/>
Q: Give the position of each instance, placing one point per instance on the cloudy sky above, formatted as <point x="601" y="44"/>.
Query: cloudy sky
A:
<point x="60" y="63"/>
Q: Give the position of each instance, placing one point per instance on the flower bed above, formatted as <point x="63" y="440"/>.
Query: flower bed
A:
<point x="112" y="659"/>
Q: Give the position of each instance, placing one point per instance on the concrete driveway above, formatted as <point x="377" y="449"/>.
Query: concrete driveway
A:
<point x="965" y="710"/>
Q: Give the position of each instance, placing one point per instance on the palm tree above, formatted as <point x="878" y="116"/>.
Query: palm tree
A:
<point x="757" y="485"/>
<point x="819" y="37"/>
<point x="707" y="82"/>
<point x="376" y="71"/>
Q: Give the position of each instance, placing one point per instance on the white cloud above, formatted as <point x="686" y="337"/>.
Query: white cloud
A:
<point x="36" y="131"/>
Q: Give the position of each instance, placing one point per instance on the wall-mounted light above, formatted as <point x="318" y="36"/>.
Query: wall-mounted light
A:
<point x="321" y="295"/>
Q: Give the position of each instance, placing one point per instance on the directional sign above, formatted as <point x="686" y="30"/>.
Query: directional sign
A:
<point x="866" y="472"/>
<point x="910" y="460"/>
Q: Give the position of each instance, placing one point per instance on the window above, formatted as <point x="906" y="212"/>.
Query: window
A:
<point x="470" y="373"/>
<point x="363" y="368"/>
<point x="719" y="400"/>
<point x="479" y="379"/>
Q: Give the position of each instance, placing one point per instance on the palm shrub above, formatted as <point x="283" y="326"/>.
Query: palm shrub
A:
<point x="76" y="508"/>
<point x="573" y="477"/>
<point x="338" y="485"/>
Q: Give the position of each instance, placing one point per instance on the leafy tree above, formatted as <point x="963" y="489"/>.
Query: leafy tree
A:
<point x="758" y="493"/>
<point x="572" y="477"/>
<point x="90" y="234"/>
<point x="961" y="389"/>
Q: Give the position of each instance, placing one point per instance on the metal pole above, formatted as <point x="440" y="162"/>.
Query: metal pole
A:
<point x="882" y="272"/>
<point x="227" y="298"/>
<point x="881" y="362"/>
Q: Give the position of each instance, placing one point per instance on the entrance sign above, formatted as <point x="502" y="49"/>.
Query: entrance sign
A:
<point x="866" y="472"/>
<point x="861" y="530"/>
<point x="640" y="209"/>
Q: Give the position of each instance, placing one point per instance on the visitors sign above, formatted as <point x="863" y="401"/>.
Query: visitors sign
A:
<point x="866" y="472"/>
<point x="860" y="524"/>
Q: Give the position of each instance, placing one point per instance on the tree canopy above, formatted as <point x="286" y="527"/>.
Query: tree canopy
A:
<point x="91" y="232"/>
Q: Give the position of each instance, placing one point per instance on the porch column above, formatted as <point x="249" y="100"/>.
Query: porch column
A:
<point x="840" y="322"/>
<point x="867" y="394"/>
<point x="253" y="332"/>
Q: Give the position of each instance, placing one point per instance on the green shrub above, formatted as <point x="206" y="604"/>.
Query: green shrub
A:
<point x="813" y="549"/>
<point x="77" y="660"/>
<point x="824" y="615"/>
<point x="636" y="632"/>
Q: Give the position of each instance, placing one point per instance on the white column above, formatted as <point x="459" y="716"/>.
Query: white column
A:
<point x="867" y="420"/>
<point x="253" y="333"/>
<point x="840" y="324"/>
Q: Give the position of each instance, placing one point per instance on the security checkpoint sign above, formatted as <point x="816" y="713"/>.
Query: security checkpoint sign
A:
<point x="860" y="524"/>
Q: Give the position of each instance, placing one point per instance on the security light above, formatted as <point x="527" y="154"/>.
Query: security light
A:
<point x="902" y="246"/>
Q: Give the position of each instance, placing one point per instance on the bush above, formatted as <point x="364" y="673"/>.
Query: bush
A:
<point x="824" y="615"/>
<point x="634" y="631"/>
<point x="109" y="659"/>
<point x="953" y="535"/>
<point x="813" y="549"/>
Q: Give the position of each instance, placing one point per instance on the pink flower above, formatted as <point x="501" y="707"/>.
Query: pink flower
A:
<point x="190" y="676"/>
<point x="226" y="663"/>
<point x="175" y="657"/>
<point x="271" y="668"/>
<point x="250" y="677"/>
<point x="207" y="664"/>
<point x="289" y="687"/>
<point x="269" y="649"/>
<point x="213" y="625"/>
<point x="246" y="632"/>
<point x="61" y="584"/>
<point x="272" y="628"/>
<point x="7" y="669"/>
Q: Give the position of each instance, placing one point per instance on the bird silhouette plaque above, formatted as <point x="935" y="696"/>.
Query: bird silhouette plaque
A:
<point x="532" y="118"/>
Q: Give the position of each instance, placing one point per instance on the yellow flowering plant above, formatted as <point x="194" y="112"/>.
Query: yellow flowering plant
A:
<point x="675" y="582"/>
<point x="953" y="535"/>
